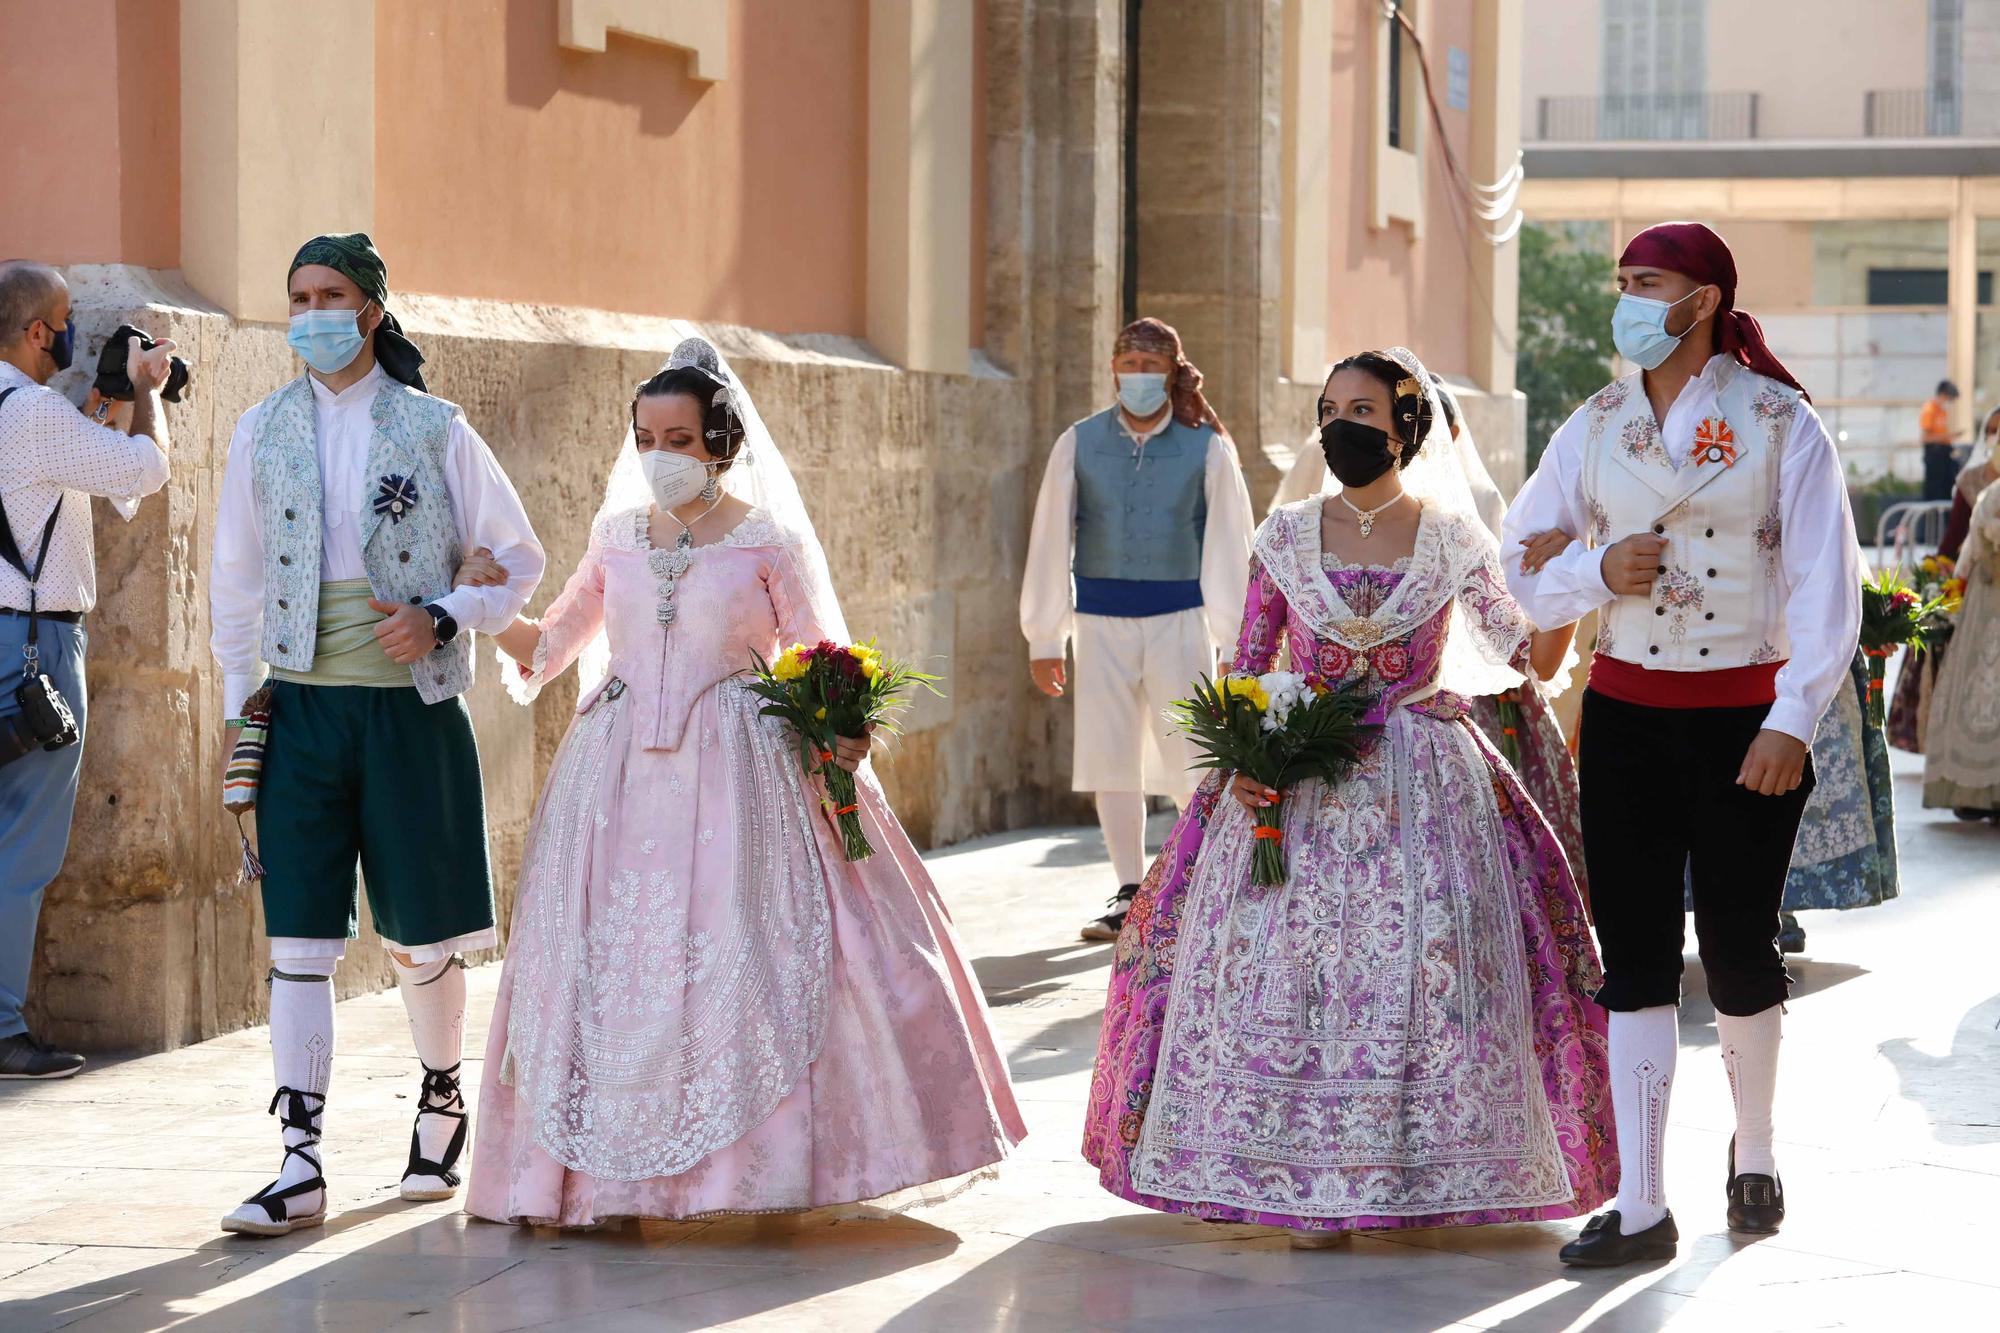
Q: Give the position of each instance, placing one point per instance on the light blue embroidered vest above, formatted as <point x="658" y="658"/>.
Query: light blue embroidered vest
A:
<point x="409" y="560"/>
<point x="1139" y="519"/>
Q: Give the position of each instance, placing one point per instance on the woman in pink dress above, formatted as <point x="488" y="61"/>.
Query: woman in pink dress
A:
<point x="705" y="1008"/>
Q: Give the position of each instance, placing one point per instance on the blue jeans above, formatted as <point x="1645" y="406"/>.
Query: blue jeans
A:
<point x="37" y="799"/>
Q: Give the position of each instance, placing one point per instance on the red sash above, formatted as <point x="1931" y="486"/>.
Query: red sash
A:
<point x="1731" y="687"/>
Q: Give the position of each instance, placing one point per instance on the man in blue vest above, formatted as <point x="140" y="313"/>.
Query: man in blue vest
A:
<point x="349" y="498"/>
<point x="1140" y="554"/>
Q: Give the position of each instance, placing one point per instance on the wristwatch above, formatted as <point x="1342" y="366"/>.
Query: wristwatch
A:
<point x="442" y="624"/>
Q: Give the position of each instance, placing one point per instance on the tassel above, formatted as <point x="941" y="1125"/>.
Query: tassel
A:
<point x="253" y="869"/>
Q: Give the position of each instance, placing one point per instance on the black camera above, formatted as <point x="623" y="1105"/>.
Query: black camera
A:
<point x="113" y="381"/>
<point x="44" y="722"/>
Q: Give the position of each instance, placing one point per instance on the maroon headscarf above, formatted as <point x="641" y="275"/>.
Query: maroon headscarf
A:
<point x="1693" y="251"/>
<point x="1184" y="383"/>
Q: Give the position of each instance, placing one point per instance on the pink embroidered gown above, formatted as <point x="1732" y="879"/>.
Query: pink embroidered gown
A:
<point x="704" y="1008"/>
<point x="1402" y="1034"/>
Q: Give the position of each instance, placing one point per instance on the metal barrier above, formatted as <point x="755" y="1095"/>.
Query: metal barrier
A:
<point x="1914" y="524"/>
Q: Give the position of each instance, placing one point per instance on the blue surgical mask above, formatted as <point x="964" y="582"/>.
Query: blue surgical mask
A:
<point x="1142" y="395"/>
<point x="1639" y="328"/>
<point x="328" y="340"/>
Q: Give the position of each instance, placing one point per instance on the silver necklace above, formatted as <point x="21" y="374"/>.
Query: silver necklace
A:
<point x="1367" y="516"/>
<point x="669" y="565"/>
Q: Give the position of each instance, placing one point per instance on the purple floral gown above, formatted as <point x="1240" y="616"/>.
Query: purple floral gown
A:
<point x="1401" y="1035"/>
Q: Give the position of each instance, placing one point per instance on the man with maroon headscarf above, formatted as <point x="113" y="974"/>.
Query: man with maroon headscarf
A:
<point x="1718" y="548"/>
<point x="1140" y="553"/>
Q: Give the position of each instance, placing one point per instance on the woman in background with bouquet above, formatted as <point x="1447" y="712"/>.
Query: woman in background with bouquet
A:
<point x="707" y="1007"/>
<point x="1962" y="759"/>
<point x="1400" y="1033"/>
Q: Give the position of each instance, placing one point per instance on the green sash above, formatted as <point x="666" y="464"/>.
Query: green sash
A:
<point x="347" y="652"/>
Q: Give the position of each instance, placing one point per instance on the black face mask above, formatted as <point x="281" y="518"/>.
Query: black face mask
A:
<point x="1355" y="454"/>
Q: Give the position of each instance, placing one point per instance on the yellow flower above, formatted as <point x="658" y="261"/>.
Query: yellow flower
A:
<point x="1246" y="687"/>
<point x="871" y="665"/>
<point x="790" y="664"/>
<point x="821" y="715"/>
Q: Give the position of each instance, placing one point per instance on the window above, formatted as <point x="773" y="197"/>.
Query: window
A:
<point x="1403" y="80"/>
<point x="1941" y="100"/>
<point x="1919" y="286"/>
<point x="1655" y="70"/>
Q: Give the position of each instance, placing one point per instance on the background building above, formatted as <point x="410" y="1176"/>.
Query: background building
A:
<point x="914" y="225"/>
<point x="1849" y="150"/>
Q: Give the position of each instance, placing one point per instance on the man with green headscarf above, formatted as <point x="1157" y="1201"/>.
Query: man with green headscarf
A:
<point x="350" y="497"/>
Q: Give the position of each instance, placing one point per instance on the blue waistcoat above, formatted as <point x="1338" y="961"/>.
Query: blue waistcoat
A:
<point x="1140" y="519"/>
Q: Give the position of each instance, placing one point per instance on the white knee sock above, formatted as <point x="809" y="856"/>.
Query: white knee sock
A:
<point x="1750" y="1054"/>
<point x="302" y="1056"/>
<point x="434" y="995"/>
<point x="1644" y="1045"/>
<point x="1122" y="816"/>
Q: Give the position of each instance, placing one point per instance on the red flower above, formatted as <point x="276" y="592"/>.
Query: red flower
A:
<point x="1129" y="1126"/>
<point x="1334" y="662"/>
<point x="1903" y="600"/>
<point x="1391" y="661"/>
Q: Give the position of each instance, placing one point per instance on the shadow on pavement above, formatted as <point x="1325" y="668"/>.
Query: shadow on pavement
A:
<point x="1960" y="1091"/>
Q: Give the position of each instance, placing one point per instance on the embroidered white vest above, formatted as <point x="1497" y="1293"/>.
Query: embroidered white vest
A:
<point x="1721" y="601"/>
<point x="410" y="558"/>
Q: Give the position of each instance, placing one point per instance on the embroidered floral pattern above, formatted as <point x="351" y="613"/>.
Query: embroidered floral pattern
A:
<point x="1679" y="590"/>
<point x="1764" y="654"/>
<point x="1774" y="406"/>
<point x="1600" y="523"/>
<point x="1606" y="404"/>
<point x="1770" y="532"/>
<point x="1640" y="440"/>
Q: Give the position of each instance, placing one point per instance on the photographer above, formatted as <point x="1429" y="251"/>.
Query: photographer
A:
<point x="53" y="458"/>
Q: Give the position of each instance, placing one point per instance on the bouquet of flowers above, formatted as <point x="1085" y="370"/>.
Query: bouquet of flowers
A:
<point x="1278" y="729"/>
<point x="831" y="690"/>
<point x="1894" y="615"/>
<point x="1938" y="581"/>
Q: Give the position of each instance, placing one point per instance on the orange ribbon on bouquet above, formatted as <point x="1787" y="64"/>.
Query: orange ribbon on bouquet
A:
<point x="1263" y="833"/>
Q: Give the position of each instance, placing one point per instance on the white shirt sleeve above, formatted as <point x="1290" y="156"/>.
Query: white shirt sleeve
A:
<point x="1048" y="599"/>
<point x="1225" y="542"/>
<point x="488" y="513"/>
<point x="1822" y="565"/>
<point x="1570" y="586"/>
<point x="236" y="575"/>
<point x="78" y="454"/>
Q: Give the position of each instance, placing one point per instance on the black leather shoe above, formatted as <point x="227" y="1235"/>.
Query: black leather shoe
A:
<point x="1602" y="1246"/>
<point x="1756" y="1202"/>
<point x="1107" y="926"/>
<point x="1791" y="935"/>
<point x="21" y="1056"/>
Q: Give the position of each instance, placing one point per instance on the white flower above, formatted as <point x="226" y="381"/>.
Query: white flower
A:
<point x="1286" y="689"/>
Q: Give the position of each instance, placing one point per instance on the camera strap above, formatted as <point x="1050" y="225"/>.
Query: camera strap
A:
<point x="10" y="551"/>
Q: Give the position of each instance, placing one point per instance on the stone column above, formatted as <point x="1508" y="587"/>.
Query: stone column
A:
<point x="1211" y="261"/>
<point x="1054" y="90"/>
<point x="277" y="140"/>
<point x="920" y="182"/>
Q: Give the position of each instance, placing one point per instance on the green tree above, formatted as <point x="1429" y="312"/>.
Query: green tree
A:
<point x="1564" y="348"/>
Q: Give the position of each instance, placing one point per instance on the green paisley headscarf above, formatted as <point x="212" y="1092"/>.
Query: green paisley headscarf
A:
<point x="352" y="253"/>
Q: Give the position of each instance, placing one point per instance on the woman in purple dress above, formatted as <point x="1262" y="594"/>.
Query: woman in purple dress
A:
<point x="1401" y="1035"/>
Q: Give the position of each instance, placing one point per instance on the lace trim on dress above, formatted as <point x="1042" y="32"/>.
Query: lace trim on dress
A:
<point x="1400" y="565"/>
<point x="524" y="687"/>
<point x="631" y="1084"/>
